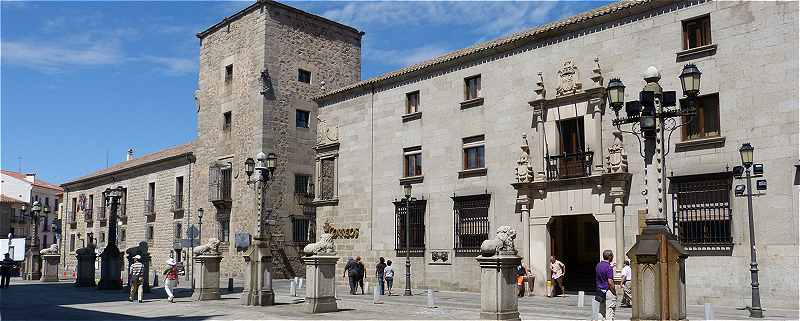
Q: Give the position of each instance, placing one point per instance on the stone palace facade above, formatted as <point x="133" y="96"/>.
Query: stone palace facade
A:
<point x="517" y="131"/>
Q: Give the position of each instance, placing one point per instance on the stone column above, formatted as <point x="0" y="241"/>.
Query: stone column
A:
<point x="523" y="202"/>
<point x="498" y="287"/>
<point x="321" y="283"/>
<point x="540" y="254"/>
<point x="50" y="268"/>
<point x="595" y="142"/>
<point x="207" y="285"/>
<point x="618" y="208"/>
<point x="85" y="269"/>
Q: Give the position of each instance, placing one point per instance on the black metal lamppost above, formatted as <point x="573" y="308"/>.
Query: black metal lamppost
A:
<point x="746" y="152"/>
<point x="199" y="226"/>
<point x="409" y="201"/>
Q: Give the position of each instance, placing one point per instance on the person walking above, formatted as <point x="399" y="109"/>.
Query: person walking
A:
<point x="379" y="274"/>
<point x="626" y="285"/>
<point x="606" y="294"/>
<point x="388" y="275"/>
<point x="362" y="269"/>
<point x="6" y="266"/>
<point x="558" y="271"/>
<point x="521" y="273"/>
<point x="170" y="279"/>
<point x="351" y="272"/>
<point x="136" y="275"/>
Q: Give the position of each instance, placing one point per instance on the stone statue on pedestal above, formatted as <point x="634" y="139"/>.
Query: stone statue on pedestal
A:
<point x="498" y="262"/>
<point x="321" y="273"/>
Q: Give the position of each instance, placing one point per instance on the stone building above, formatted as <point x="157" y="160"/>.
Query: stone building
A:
<point x="258" y="70"/>
<point x="516" y="131"/>
<point x="20" y="189"/>
<point x="154" y="207"/>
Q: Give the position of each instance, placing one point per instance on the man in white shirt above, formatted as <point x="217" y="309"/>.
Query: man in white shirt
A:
<point x="558" y="270"/>
<point x="626" y="284"/>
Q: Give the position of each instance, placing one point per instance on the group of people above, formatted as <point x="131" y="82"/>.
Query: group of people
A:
<point x="355" y="271"/>
<point x="136" y="274"/>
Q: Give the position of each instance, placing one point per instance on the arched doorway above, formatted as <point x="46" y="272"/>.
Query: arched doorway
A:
<point x="575" y="241"/>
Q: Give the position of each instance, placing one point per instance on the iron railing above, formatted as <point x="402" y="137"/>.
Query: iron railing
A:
<point x="72" y="216"/>
<point x="87" y="214"/>
<point x="219" y="185"/>
<point x="101" y="214"/>
<point x="149" y="207"/>
<point x="569" y="165"/>
<point x="701" y="212"/>
<point x="471" y="223"/>
<point x="416" y="228"/>
<point x="300" y="227"/>
<point x="177" y="203"/>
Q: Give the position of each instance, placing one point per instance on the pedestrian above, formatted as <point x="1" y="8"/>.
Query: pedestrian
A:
<point x="521" y="273"/>
<point x="388" y="275"/>
<point x="351" y="273"/>
<point x="136" y="274"/>
<point x="362" y="269"/>
<point x="626" y="284"/>
<point x="6" y="266"/>
<point x="606" y="294"/>
<point x="558" y="271"/>
<point x="171" y="279"/>
<point x="379" y="274"/>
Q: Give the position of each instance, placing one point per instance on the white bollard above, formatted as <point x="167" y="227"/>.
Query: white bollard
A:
<point x="366" y="287"/>
<point x="709" y="311"/>
<point x="301" y="283"/>
<point x="595" y="310"/>
<point x="376" y="295"/>
<point x="431" y="299"/>
<point x="580" y="299"/>
<point x="292" y="288"/>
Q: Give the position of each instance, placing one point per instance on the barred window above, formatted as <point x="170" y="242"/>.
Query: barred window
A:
<point x="327" y="178"/>
<point x="300" y="230"/>
<point x="471" y="219"/>
<point x="701" y="209"/>
<point x="416" y="227"/>
<point x="301" y="183"/>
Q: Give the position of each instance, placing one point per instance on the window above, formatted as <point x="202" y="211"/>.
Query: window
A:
<point x="573" y="160"/>
<point x="472" y="87"/>
<point x="301" y="118"/>
<point x="697" y="32"/>
<point x="178" y="231"/>
<point x="102" y="238"/>
<point x="701" y="209"/>
<point x="149" y="231"/>
<point x="301" y="183"/>
<point x="177" y="199"/>
<point x="300" y="230"/>
<point x="149" y="203"/>
<point x="412" y="102"/>
<point x="219" y="184"/>
<point x="412" y="161"/>
<point x="474" y="152"/>
<point x="471" y="219"/>
<point x="706" y="121"/>
<point x="72" y="242"/>
<point x="416" y="227"/>
<point x="228" y="74"/>
<point x="227" y="121"/>
<point x="224" y="229"/>
<point x="122" y="234"/>
<point x="89" y="238"/>
<point x="304" y="76"/>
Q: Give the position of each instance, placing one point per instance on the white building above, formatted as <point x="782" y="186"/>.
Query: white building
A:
<point x="20" y="189"/>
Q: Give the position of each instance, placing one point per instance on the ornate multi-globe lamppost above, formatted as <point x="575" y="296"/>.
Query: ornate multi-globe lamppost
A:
<point x="33" y="265"/>
<point x="258" y="273"/>
<point x="652" y="120"/>
<point x="110" y="258"/>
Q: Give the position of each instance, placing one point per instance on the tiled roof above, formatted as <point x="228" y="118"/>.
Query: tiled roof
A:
<point x="488" y="45"/>
<point x="36" y="182"/>
<point x="136" y="162"/>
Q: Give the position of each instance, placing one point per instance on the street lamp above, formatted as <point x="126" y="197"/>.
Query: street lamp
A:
<point x="258" y="290"/>
<point x="200" y="225"/>
<point x="408" y="200"/>
<point x="36" y="210"/>
<point x="746" y="152"/>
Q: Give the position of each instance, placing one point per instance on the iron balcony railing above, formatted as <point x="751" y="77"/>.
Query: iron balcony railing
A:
<point x="149" y="207"/>
<point x="569" y="165"/>
<point x="219" y="186"/>
<point x="87" y="214"/>
<point x="101" y="214"/>
<point x="72" y="217"/>
<point x="177" y="203"/>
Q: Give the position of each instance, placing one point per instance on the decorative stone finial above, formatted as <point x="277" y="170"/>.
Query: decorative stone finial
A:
<point x="325" y="246"/>
<point x="539" y="90"/>
<point x="597" y="75"/>
<point x="502" y="244"/>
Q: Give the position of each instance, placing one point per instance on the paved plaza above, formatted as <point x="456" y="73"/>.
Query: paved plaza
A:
<point x="26" y="300"/>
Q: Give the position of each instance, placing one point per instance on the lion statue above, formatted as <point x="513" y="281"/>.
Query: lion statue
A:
<point x="325" y="246"/>
<point x="88" y="250"/>
<point x="503" y="243"/>
<point x="211" y="248"/>
<point x="52" y="250"/>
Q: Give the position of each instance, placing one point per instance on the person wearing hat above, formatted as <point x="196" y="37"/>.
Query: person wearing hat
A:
<point x="137" y="277"/>
<point x="171" y="277"/>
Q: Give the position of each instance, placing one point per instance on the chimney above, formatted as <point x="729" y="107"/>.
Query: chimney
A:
<point x="130" y="154"/>
<point x="30" y="177"/>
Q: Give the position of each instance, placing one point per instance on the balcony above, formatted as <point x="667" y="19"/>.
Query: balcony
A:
<point x="101" y="214"/>
<point x="219" y="186"/>
<point x="569" y="165"/>
<point x="87" y="214"/>
<point x="176" y="204"/>
<point x="149" y="207"/>
<point x="73" y="218"/>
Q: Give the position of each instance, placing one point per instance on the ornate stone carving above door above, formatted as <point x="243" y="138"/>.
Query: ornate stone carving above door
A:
<point x="569" y="79"/>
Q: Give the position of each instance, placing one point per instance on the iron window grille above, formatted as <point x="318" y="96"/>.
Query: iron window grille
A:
<point x="416" y="242"/>
<point x="471" y="223"/>
<point x="701" y="211"/>
<point x="300" y="227"/>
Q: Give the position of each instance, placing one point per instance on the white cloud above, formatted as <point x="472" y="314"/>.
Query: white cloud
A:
<point x="50" y="58"/>
<point x="404" y="57"/>
<point x="174" y="66"/>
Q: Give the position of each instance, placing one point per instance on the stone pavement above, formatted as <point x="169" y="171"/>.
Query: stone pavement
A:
<point x="26" y="300"/>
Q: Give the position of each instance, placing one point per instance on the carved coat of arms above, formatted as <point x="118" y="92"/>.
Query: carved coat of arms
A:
<point x="569" y="81"/>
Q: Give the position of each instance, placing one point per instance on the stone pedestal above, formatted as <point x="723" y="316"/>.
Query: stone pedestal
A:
<point x="321" y="283"/>
<point x="85" y="269"/>
<point x="258" y="276"/>
<point x="498" y="287"/>
<point x="50" y="267"/>
<point x="110" y="268"/>
<point x="659" y="279"/>
<point x="33" y="264"/>
<point x="207" y="284"/>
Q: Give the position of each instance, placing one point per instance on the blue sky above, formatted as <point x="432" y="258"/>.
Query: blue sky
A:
<point x="81" y="82"/>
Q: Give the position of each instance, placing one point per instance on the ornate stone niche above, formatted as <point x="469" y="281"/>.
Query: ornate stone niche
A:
<point x="326" y="189"/>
